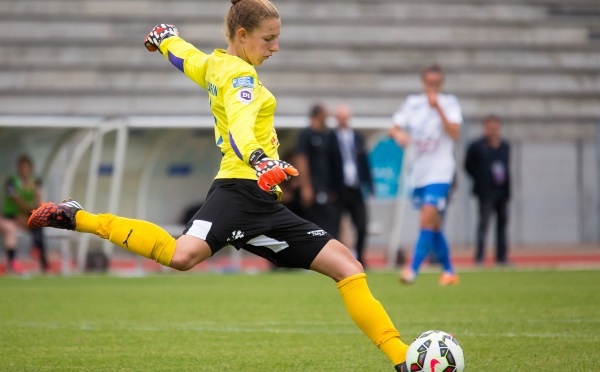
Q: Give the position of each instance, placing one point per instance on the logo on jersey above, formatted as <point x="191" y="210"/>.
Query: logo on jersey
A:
<point x="245" y="96"/>
<point x="317" y="233"/>
<point x="243" y="82"/>
<point x="212" y="89"/>
<point x="237" y="234"/>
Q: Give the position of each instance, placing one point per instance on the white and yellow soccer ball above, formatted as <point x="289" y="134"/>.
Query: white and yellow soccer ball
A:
<point x="435" y="351"/>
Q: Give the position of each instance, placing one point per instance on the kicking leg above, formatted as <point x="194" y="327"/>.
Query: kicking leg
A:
<point x="336" y="261"/>
<point x="137" y="236"/>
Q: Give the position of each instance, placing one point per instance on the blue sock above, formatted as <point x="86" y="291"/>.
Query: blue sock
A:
<point x="422" y="248"/>
<point x="442" y="251"/>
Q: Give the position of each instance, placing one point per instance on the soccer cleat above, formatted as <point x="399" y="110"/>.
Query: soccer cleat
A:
<point x="449" y="279"/>
<point x="60" y="216"/>
<point x="408" y="276"/>
<point x="401" y="367"/>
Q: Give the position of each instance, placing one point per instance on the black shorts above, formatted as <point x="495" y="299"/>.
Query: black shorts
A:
<point x="238" y="213"/>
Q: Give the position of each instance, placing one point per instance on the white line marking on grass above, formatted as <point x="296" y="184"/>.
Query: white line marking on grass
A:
<point x="285" y="328"/>
<point x="528" y="335"/>
<point x="347" y="329"/>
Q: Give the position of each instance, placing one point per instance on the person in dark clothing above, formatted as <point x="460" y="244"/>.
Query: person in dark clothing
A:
<point x="313" y="160"/>
<point x="488" y="164"/>
<point x="352" y="176"/>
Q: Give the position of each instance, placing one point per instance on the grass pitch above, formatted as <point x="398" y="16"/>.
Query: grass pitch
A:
<point x="294" y="321"/>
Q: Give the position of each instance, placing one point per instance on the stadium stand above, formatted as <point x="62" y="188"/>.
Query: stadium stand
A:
<point x="533" y="61"/>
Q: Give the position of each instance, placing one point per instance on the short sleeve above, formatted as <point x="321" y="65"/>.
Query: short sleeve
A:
<point x="453" y="111"/>
<point x="400" y="117"/>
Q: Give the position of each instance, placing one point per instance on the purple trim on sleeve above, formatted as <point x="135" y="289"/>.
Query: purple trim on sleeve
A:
<point x="176" y="61"/>
<point x="234" y="147"/>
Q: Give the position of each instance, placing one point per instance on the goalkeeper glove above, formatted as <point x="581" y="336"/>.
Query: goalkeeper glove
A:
<point x="158" y="34"/>
<point x="270" y="172"/>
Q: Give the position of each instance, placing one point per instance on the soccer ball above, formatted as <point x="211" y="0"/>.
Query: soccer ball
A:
<point x="435" y="351"/>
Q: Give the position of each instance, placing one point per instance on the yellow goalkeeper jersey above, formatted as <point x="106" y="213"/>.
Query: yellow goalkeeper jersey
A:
<point x="242" y="107"/>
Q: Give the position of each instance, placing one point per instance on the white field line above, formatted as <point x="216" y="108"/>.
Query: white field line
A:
<point x="269" y="327"/>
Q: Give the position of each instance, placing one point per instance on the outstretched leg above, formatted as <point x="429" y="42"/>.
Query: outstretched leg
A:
<point x="336" y="261"/>
<point x="137" y="236"/>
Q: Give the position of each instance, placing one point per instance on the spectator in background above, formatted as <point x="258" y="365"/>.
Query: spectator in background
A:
<point x="487" y="162"/>
<point x="431" y="121"/>
<point x="352" y="176"/>
<point x="290" y="196"/>
<point x="22" y="191"/>
<point x="316" y="180"/>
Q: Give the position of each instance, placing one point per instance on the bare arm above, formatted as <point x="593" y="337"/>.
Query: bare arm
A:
<point x="453" y="129"/>
<point x="400" y="136"/>
<point x="24" y="207"/>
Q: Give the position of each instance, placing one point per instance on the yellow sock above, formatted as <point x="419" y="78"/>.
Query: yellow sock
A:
<point x="371" y="317"/>
<point x="140" y="237"/>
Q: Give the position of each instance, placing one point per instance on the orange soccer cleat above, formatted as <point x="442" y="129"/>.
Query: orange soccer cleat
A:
<point x="61" y="216"/>
<point x="449" y="279"/>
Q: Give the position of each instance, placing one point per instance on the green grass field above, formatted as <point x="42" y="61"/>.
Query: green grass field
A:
<point x="292" y="321"/>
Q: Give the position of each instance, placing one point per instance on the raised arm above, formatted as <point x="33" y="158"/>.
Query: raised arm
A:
<point x="183" y="55"/>
<point x="451" y="120"/>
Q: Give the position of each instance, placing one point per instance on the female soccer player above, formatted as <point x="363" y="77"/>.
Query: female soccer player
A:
<point x="431" y="121"/>
<point x="242" y="208"/>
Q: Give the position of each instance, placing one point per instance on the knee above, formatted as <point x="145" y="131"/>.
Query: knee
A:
<point x="336" y="261"/>
<point x="182" y="262"/>
<point x="356" y="268"/>
<point x="430" y="219"/>
<point x="189" y="252"/>
<point x="348" y="269"/>
<point x="12" y="229"/>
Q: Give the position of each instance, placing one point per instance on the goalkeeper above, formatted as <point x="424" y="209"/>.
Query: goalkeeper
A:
<point x="242" y="208"/>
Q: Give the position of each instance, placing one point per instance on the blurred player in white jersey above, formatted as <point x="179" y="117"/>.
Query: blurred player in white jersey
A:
<point x="431" y="123"/>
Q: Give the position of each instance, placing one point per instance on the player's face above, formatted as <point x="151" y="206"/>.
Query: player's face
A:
<point x="262" y="42"/>
<point x="432" y="82"/>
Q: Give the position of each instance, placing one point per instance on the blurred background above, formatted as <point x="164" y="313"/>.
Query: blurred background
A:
<point x="122" y="131"/>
